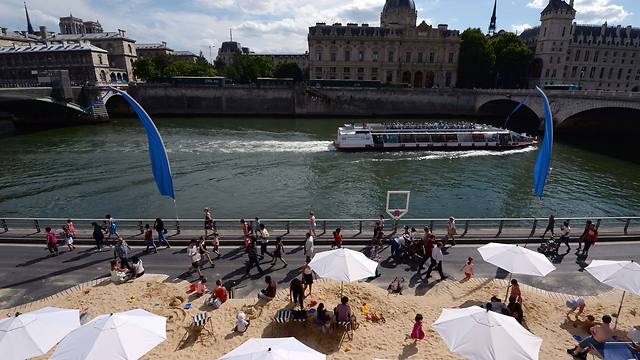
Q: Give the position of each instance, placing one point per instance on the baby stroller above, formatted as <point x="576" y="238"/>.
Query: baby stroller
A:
<point x="549" y="246"/>
<point x="396" y="286"/>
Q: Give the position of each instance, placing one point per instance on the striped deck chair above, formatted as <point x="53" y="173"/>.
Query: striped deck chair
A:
<point x="199" y="323"/>
<point x="281" y="317"/>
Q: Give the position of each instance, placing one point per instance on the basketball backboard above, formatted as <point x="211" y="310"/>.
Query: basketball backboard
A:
<point x="397" y="203"/>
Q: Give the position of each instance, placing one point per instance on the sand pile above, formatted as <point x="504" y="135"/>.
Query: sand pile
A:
<point x="544" y="316"/>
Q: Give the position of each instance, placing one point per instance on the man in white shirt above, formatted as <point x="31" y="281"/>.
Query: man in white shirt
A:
<point x="312" y="224"/>
<point x="436" y="261"/>
<point x="565" y="234"/>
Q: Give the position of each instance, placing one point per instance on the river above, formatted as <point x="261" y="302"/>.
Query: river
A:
<point x="242" y="167"/>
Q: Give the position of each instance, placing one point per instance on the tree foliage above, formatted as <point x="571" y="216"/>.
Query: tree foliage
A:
<point x="245" y="68"/>
<point x="288" y="70"/>
<point x="513" y="61"/>
<point x="163" y="66"/>
<point x="477" y="59"/>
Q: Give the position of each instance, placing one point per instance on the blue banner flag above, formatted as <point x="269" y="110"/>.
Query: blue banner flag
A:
<point x="541" y="168"/>
<point x="157" y="152"/>
<point x="506" y="123"/>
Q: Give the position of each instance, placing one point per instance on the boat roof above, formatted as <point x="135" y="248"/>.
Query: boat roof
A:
<point x="422" y="128"/>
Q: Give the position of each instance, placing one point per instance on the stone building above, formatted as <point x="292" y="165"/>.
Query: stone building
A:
<point x="186" y="55"/>
<point x="595" y="57"/>
<point x="229" y="49"/>
<point x="10" y="38"/>
<point x="86" y="63"/>
<point x="153" y="49"/>
<point x="397" y="51"/>
<point x="73" y="25"/>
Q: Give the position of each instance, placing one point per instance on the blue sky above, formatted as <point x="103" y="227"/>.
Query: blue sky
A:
<point x="281" y="25"/>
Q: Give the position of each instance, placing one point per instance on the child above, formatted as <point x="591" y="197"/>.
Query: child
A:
<point x="515" y="290"/>
<point x="118" y="274"/>
<point x="216" y="244"/>
<point x="201" y="288"/>
<point x="588" y="324"/>
<point x="241" y="323"/>
<point x="52" y="242"/>
<point x="148" y="237"/>
<point x="576" y="304"/>
<point x="68" y="238"/>
<point x="337" y="239"/>
<point x="71" y="228"/>
<point x="277" y="253"/>
<point x="468" y="268"/>
<point x="417" y="333"/>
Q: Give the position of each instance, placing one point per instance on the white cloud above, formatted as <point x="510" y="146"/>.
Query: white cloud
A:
<point x="519" y="28"/>
<point x="591" y="11"/>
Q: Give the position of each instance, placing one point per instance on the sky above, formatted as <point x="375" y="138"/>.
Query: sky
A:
<point x="281" y="26"/>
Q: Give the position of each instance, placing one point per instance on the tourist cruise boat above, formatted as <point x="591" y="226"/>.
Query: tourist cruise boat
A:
<point x="434" y="137"/>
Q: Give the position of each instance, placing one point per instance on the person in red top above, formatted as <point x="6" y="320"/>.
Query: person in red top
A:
<point x="428" y="246"/>
<point x="590" y="239"/>
<point x="52" y="242"/>
<point x="337" y="239"/>
<point x="70" y="228"/>
<point x="247" y="234"/>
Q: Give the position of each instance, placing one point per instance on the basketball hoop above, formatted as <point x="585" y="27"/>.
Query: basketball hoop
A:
<point x="397" y="204"/>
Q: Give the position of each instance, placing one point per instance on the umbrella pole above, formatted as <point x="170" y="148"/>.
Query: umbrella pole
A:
<point x="341" y="285"/>
<point x="506" y="296"/>
<point x="615" y="326"/>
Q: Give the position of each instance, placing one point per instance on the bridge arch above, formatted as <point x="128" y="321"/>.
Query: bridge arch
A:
<point x="116" y="105"/>
<point x="496" y="112"/>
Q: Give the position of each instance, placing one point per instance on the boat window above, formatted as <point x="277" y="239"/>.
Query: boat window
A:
<point x="377" y="139"/>
<point x="438" y="138"/>
<point x="465" y="137"/>
<point x="452" y="137"/>
<point x="407" y="138"/>
<point x="391" y="138"/>
<point x="423" y="138"/>
<point x="492" y="137"/>
<point x="362" y="132"/>
<point x="478" y="137"/>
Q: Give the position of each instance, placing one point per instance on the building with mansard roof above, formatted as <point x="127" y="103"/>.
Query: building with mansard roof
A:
<point x="397" y="51"/>
<point x="595" y="57"/>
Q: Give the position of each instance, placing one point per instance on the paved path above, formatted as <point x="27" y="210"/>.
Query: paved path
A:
<point x="27" y="274"/>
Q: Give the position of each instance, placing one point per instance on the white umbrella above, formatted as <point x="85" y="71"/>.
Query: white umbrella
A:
<point x="273" y="349"/>
<point x="343" y="265"/>
<point x="516" y="260"/>
<point x="35" y="333"/>
<point x="623" y="275"/>
<point x="478" y="334"/>
<point x="126" y="335"/>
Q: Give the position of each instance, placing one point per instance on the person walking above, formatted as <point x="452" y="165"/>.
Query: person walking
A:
<point x="337" y="239"/>
<point x="71" y="228"/>
<point x="451" y="230"/>
<point x="68" y="238"/>
<point x="428" y="247"/>
<point x="436" y="261"/>
<point x="98" y="236"/>
<point x="158" y="225"/>
<point x="216" y="244"/>
<point x="590" y="239"/>
<point x="312" y="223"/>
<point x="121" y="251"/>
<point x="263" y="235"/>
<point x="148" y="239"/>
<point x="252" y="253"/>
<point x="208" y="222"/>
<point x="587" y="226"/>
<point x="52" y="242"/>
<point x="112" y="227"/>
<point x="202" y="249"/>
<point x="194" y="258"/>
<point x="277" y="253"/>
<point x="565" y="235"/>
<point x="256" y="225"/>
<point x="550" y="227"/>
<point x="308" y="246"/>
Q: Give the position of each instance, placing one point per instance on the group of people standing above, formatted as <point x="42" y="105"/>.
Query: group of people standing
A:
<point x="588" y="237"/>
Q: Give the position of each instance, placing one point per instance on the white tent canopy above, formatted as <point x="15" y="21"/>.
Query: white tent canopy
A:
<point x="126" y="335"/>
<point x="273" y="349"/>
<point x="516" y="259"/>
<point x="478" y="334"/>
<point x="35" y="333"/>
<point x="343" y="265"/>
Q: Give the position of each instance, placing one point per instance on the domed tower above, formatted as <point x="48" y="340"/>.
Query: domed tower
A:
<point x="399" y="13"/>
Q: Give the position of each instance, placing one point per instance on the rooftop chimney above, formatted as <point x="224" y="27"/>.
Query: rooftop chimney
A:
<point x="43" y="32"/>
<point x="164" y="43"/>
<point x="3" y="31"/>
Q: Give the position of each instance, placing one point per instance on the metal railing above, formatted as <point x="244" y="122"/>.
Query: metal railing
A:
<point x="466" y="227"/>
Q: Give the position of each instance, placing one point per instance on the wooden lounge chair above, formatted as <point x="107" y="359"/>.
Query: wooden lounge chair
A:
<point x="201" y="322"/>
<point x="348" y="327"/>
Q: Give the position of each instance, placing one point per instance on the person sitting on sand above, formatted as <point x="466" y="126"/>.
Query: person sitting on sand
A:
<point x="497" y="305"/>
<point x="242" y="324"/>
<point x="575" y="304"/>
<point x="599" y="335"/>
<point x="323" y="319"/>
<point x="219" y="295"/>
<point x="201" y="287"/>
<point x="269" y="292"/>
<point x="588" y="324"/>
<point x="515" y="309"/>
<point x="118" y="274"/>
<point x="343" y="310"/>
<point x="136" y="266"/>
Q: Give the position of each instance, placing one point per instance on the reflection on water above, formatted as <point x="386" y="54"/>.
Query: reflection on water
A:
<point x="286" y="167"/>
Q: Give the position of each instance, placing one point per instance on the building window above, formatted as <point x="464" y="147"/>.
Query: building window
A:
<point x="360" y="73"/>
<point x="447" y="80"/>
<point x="100" y="59"/>
<point x="318" y="56"/>
<point x="347" y="55"/>
<point x="431" y="58"/>
<point x="610" y="73"/>
<point x="586" y="55"/>
<point x="374" y="74"/>
<point x="420" y="57"/>
<point x="595" y="56"/>
<point x="544" y="32"/>
<point x="130" y="49"/>
<point x="592" y="73"/>
<point x="550" y="59"/>
<point x="546" y="73"/>
<point x="451" y="58"/>
<point x="391" y="56"/>
<point x="389" y="76"/>
<point x="553" y="74"/>
<point x="375" y="56"/>
<point x="407" y="57"/>
<point x="577" y="57"/>
<point x="564" y="30"/>
<point x="619" y="74"/>
<point x="360" y="55"/>
<point x="574" y="70"/>
<point x="333" y="57"/>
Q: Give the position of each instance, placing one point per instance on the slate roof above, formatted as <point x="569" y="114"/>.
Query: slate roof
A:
<point x="50" y="48"/>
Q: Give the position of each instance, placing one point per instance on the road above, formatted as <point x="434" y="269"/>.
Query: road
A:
<point x="27" y="274"/>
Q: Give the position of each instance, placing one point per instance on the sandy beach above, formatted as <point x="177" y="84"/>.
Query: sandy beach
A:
<point x="544" y="316"/>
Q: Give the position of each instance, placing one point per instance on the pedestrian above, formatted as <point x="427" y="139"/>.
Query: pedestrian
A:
<point x="256" y="225"/>
<point x="71" y="228"/>
<point x="202" y="249"/>
<point x="312" y="223"/>
<point x="381" y="220"/>
<point x="52" y="242"/>
<point x="308" y="245"/>
<point x="246" y="231"/>
<point x="112" y="226"/>
<point x="296" y="293"/>
<point x="158" y="225"/>
<point x="277" y="253"/>
<point x="550" y="227"/>
<point x="417" y="333"/>
<point x="98" y="236"/>
<point x="307" y="275"/>
<point x="68" y="238"/>
<point x="253" y="259"/>
<point x="377" y="229"/>
<point x="263" y="235"/>
<point x="398" y="244"/>
<point x="194" y="257"/>
<point x="428" y="247"/>
<point x="216" y="244"/>
<point x="451" y="230"/>
<point x="590" y="239"/>
<point x="337" y="239"/>
<point x="148" y="238"/>
<point x="468" y="268"/>
<point x="208" y="222"/>
<point x="515" y="290"/>
<point x="565" y="234"/>
<point x="436" y="261"/>
<point x="587" y="226"/>
<point x="121" y="251"/>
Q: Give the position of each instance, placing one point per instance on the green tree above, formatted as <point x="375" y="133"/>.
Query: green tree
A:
<point x="476" y="60"/>
<point x="513" y="61"/>
<point x="247" y="68"/>
<point x="288" y="70"/>
<point x="145" y="69"/>
<point x="164" y="66"/>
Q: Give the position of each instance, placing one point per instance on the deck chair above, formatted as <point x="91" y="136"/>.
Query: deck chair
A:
<point x="201" y="322"/>
<point x="619" y="351"/>
<point x="348" y="327"/>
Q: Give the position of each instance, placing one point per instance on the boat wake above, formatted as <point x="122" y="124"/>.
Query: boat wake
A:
<point x="434" y="155"/>
<point x="254" y="146"/>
